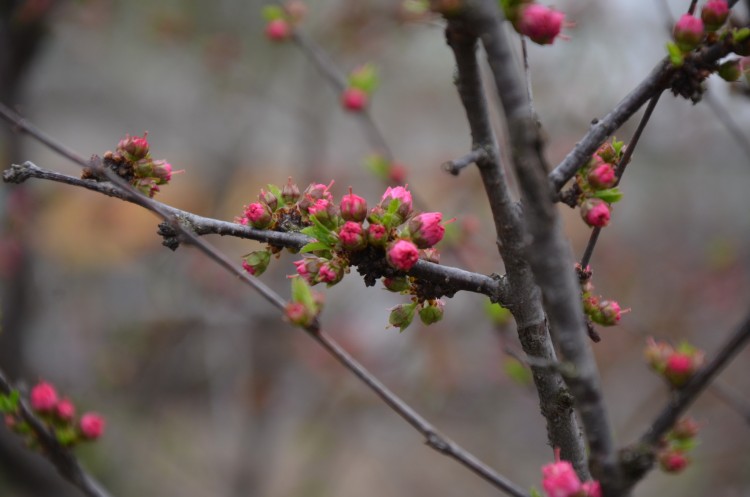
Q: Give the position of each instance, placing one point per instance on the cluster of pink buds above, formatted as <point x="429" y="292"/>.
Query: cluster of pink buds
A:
<point x="541" y="24"/>
<point x="676" y="365"/>
<point x="280" y="20"/>
<point x="673" y="449"/>
<point x="601" y="311"/>
<point x="360" y="85"/>
<point x="386" y="240"/>
<point x="595" y="183"/>
<point x="559" y="479"/>
<point x="132" y="161"/>
<point x="58" y="414"/>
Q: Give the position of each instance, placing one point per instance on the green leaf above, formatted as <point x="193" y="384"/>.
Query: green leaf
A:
<point x="498" y="314"/>
<point x="302" y="293"/>
<point x="378" y="165"/>
<point x="534" y="492"/>
<point x="675" y="54"/>
<point x="66" y="436"/>
<point x="273" y="12"/>
<point x="9" y="403"/>
<point x="313" y="247"/>
<point x="610" y="195"/>
<point x="741" y="35"/>
<point x="365" y="78"/>
<point x="617" y="145"/>
<point x="275" y="190"/>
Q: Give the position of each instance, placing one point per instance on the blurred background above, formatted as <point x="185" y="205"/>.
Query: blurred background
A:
<point x="206" y="391"/>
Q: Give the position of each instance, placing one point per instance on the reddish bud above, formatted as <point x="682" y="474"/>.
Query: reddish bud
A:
<point x="714" y="14"/>
<point x="353" y="207"/>
<point x="602" y="176"/>
<point x="162" y="171"/>
<point x="607" y="153"/>
<point x="559" y="479"/>
<point x="402" y="255"/>
<point x="331" y="272"/>
<point x="688" y="32"/>
<point x="299" y="314"/>
<point x="397" y="173"/>
<point x="43" y="397"/>
<point x="308" y="268"/>
<point x="679" y="368"/>
<point x="91" y="425"/>
<point x="290" y="192"/>
<point x="673" y="461"/>
<point x="425" y="229"/>
<point x="607" y="313"/>
<point x="596" y="212"/>
<point x="685" y="429"/>
<point x="134" y="148"/>
<point x="377" y="235"/>
<point x="315" y="191"/>
<point x="278" y="30"/>
<point x="352" y="236"/>
<point x="591" y="489"/>
<point x="401" y="195"/>
<point x="269" y="199"/>
<point x="65" y="410"/>
<point x="256" y="262"/>
<point x="258" y="215"/>
<point x="540" y="23"/>
<point x="354" y="99"/>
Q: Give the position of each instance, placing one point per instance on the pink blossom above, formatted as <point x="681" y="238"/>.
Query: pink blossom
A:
<point x="297" y="313"/>
<point x="43" y="397"/>
<point x="398" y="194"/>
<point x="330" y="273"/>
<point x="611" y="312"/>
<point x="403" y="255"/>
<point x="354" y="99"/>
<point x="353" y="207"/>
<point x="162" y="170"/>
<point x="426" y="229"/>
<point x="540" y="23"/>
<point x="673" y="461"/>
<point x="602" y="176"/>
<point x="595" y="212"/>
<point x="308" y="268"/>
<point x="377" y="234"/>
<point x="91" y="425"/>
<point x="65" y="410"/>
<point x="320" y="206"/>
<point x="352" y="236"/>
<point x="559" y="479"/>
<point x="688" y="32"/>
<point x="714" y="14"/>
<point x="134" y="147"/>
<point x="278" y="30"/>
<point x="258" y="215"/>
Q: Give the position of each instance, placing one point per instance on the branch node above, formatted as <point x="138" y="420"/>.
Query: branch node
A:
<point x="17" y="174"/>
<point x="455" y="166"/>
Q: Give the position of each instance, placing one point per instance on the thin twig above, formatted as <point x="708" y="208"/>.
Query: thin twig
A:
<point x="434" y="439"/>
<point x="620" y="170"/>
<point x="61" y="457"/>
<point x="456" y="165"/>
<point x="693" y="5"/>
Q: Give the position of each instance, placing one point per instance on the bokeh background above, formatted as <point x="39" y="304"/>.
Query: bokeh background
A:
<point x="206" y="391"/>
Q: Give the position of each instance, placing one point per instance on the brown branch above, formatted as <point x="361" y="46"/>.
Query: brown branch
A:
<point x="525" y="304"/>
<point x="61" y="457"/>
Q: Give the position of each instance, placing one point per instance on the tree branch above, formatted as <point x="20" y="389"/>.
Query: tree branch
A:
<point x="61" y="457"/>
<point x="525" y="300"/>
<point x="548" y="252"/>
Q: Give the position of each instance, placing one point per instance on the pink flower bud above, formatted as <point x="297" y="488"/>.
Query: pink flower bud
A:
<point x="685" y="429"/>
<point x="426" y="230"/>
<point x="688" y="32"/>
<point x="673" y="461"/>
<point x="400" y="195"/>
<point x="679" y="368"/>
<point x="331" y="272"/>
<point x="134" y="148"/>
<point x="402" y="255"/>
<point x="595" y="212"/>
<point x="91" y="425"/>
<point x="256" y="262"/>
<point x="354" y="99"/>
<point x="432" y="311"/>
<point x="397" y="172"/>
<point x="657" y="353"/>
<point x="298" y="314"/>
<point x="308" y="268"/>
<point x="540" y="23"/>
<point x="258" y="215"/>
<point x="43" y="397"/>
<point x="314" y="192"/>
<point x="714" y="14"/>
<point x="559" y="479"/>
<point x="324" y="211"/>
<point x="65" y="410"/>
<point x="162" y="171"/>
<point x="602" y="176"/>
<point x="609" y="313"/>
<point x="353" y="207"/>
<point x="607" y="153"/>
<point x="352" y="236"/>
<point x="377" y="235"/>
<point x="278" y="30"/>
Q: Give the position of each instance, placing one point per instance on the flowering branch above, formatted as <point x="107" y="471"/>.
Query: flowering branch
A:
<point x="525" y="304"/>
<point x="311" y="326"/>
<point x="61" y="457"/>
